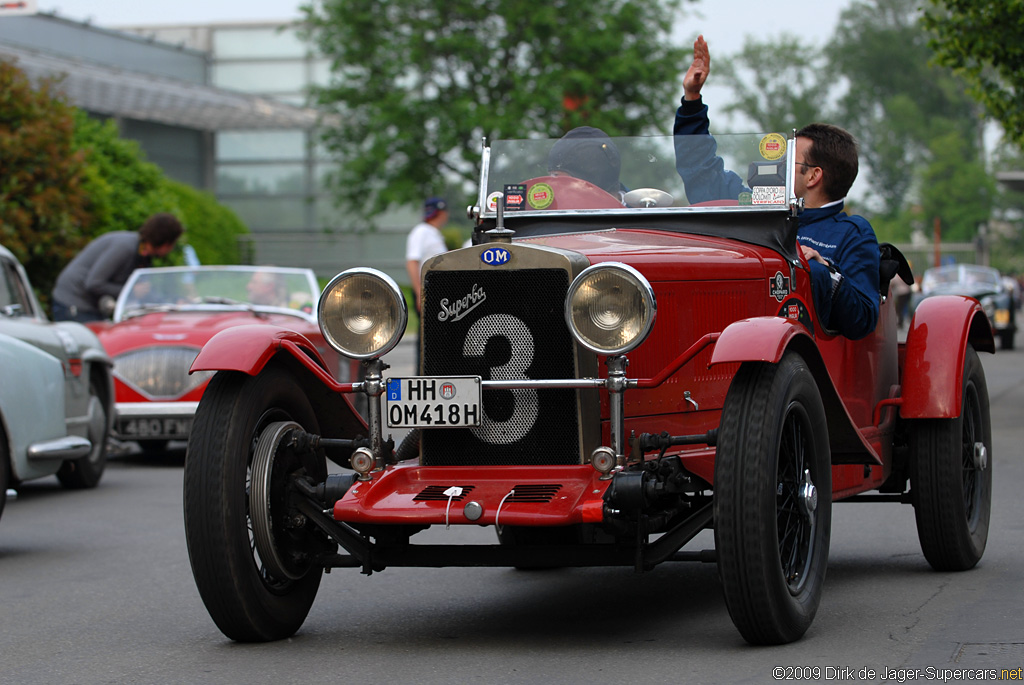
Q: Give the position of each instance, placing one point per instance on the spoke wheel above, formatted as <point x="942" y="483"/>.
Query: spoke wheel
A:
<point x="253" y="559"/>
<point x="772" y="500"/>
<point x="952" y="477"/>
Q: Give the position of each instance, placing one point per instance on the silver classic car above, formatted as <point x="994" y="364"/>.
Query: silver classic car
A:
<point x="49" y="427"/>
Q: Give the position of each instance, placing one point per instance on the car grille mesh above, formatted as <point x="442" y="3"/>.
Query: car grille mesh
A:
<point x="160" y="372"/>
<point x="515" y="330"/>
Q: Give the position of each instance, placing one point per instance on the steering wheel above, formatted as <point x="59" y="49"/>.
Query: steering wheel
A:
<point x="648" y="197"/>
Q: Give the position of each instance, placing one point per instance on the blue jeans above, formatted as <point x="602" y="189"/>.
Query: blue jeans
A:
<point x="62" y="312"/>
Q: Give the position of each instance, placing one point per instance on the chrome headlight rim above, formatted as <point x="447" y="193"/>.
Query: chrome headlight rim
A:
<point x="390" y="287"/>
<point x="643" y="287"/>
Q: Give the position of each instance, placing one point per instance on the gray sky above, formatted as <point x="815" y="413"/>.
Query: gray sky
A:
<point x="724" y="23"/>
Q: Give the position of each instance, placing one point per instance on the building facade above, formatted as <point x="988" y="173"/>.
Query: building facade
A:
<point x="223" y="108"/>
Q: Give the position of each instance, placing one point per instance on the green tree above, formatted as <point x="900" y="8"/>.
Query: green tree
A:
<point x="983" y="41"/>
<point x="44" y="204"/>
<point x="124" y="189"/>
<point x="897" y="101"/>
<point x="776" y="83"/>
<point x="418" y="83"/>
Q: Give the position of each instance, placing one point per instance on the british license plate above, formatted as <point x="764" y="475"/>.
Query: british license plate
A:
<point x="432" y="402"/>
<point x="170" y="428"/>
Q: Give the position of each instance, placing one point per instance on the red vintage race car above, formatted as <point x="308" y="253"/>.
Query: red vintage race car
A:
<point x="604" y="375"/>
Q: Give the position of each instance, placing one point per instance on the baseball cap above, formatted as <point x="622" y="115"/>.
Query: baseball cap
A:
<point x="588" y="153"/>
<point x="432" y="206"/>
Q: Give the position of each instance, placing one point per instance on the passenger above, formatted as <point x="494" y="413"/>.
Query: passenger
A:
<point x="841" y="250"/>
<point x="267" y="288"/>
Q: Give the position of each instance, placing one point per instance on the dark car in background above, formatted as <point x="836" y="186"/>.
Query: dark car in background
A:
<point x="997" y="297"/>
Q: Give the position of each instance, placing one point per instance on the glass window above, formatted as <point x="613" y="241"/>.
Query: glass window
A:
<point x="258" y="42"/>
<point x="270" y="213"/>
<point x="261" y="145"/>
<point x="260" y="76"/>
<point x="264" y="179"/>
<point x="321" y="72"/>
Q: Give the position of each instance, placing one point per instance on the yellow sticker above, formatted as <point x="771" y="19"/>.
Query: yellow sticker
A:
<point x="772" y="147"/>
<point x="540" y="196"/>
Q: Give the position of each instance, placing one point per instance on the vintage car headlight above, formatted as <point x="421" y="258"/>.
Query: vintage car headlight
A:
<point x="610" y="308"/>
<point x="362" y="313"/>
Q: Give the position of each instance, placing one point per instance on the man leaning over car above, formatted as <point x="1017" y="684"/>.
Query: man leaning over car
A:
<point x="841" y="250"/>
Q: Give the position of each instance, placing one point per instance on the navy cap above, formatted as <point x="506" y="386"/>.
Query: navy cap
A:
<point x="432" y="206"/>
<point x="588" y="153"/>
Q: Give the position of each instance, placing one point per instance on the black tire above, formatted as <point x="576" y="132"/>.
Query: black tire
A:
<point x="244" y="598"/>
<point x="951" y="480"/>
<point x="772" y="522"/>
<point x="77" y="474"/>
<point x="1006" y="340"/>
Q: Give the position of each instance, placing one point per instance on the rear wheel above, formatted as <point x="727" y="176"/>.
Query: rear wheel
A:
<point x="87" y="471"/>
<point x="772" y="500"/>
<point x="253" y="557"/>
<point x="1006" y="339"/>
<point x="952" y="476"/>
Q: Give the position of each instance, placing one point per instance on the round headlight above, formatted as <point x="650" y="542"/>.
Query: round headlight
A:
<point x="610" y="308"/>
<point x="362" y="313"/>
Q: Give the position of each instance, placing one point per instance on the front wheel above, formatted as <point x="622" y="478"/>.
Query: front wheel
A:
<point x="952" y="476"/>
<point x="773" y="500"/>
<point x="86" y="471"/>
<point x="254" y="558"/>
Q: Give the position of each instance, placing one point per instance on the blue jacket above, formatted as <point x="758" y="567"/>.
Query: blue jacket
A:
<point x="846" y="303"/>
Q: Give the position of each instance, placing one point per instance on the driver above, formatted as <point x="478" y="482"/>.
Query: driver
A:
<point x="841" y="250"/>
<point x="589" y="154"/>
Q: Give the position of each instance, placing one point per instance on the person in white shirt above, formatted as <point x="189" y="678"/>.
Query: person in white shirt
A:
<point x="425" y="240"/>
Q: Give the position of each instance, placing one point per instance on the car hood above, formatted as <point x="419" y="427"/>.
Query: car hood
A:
<point x="660" y="256"/>
<point x="184" y="328"/>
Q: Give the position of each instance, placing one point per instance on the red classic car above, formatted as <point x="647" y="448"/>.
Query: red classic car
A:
<point x="604" y="375"/>
<point x="165" y="315"/>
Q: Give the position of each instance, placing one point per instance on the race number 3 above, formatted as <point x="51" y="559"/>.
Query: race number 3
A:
<point x="525" y="404"/>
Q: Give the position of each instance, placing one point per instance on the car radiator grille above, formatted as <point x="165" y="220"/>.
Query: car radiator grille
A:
<point x="512" y="326"/>
<point x="160" y="372"/>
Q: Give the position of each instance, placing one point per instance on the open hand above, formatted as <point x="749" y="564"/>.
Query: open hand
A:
<point x="697" y="74"/>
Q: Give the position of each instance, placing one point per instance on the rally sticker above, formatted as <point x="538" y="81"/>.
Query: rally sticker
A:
<point x="492" y="201"/>
<point x="515" y="197"/>
<point x="540" y="196"/>
<point x="768" y="195"/>
<point x="795" y="310"/>
<point x="772" y="147"/>
<point x="778" y="287"/>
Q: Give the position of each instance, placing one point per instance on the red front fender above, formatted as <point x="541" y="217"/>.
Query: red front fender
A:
<point x="249" y="348"/>
<point x="934" y="362"/>
<point x="763" y="339"/>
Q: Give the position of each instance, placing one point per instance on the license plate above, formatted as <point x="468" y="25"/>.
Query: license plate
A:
<point x="154" y="428"/>
<point x="432" y="402"/>
<point x="1002" y="317"/>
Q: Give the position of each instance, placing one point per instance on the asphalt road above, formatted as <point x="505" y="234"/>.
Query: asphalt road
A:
<point x="95" y="587"/>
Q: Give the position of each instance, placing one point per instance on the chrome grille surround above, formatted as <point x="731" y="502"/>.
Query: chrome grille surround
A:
<point x="160" y="372"/>
<point x="504" y="322"/>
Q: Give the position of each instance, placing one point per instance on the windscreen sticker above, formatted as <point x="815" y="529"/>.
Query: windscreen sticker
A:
<point x="540" y="196"/>
<point x="772" y="147"/>
<point x="492" y="201"/>
<point x="515" y="197"/>
<point x="778" y="287"/>
<point x="746" y="198"/>
<point x="795" y="309"/>
<point x="768" y="195"/>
